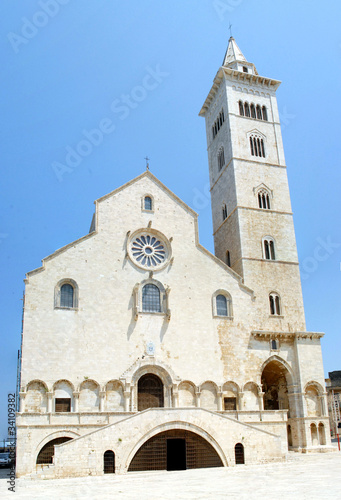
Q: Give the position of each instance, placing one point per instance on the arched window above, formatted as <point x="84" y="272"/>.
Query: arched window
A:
<point x="67" y="296"/>
<point x="265" y="113"/>
<point x="221" y="305"/>
<point x="257" y="146"/>
<point x="263" y="199"/>
<point x="269" y="249"/>
<point x="246" y="109"/>
<point x="241" y="108"/>
<point x="148" y="204"/>
<point x="109" y="462"/>
<point x="221" y="158"/>
<point x="239" y="454"/>
<point x="253" y="111"/>
<point x="274" y="345"/>
<point x="259" y="112"/>
<point x="228" y="258"/>
<point x="213" y="134"/>
<point x="151" y="298"/>
<point x="275" y="304"/>
<point x="224" y="212"/>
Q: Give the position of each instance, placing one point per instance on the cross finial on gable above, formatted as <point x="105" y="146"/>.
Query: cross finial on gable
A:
<point x="147" y="162"/>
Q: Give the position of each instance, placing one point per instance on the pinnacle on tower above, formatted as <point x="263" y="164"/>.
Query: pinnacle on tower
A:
<point x="235" y="59"/>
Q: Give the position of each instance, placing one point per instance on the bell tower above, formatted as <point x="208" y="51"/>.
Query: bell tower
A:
<point x="252" y="218"/>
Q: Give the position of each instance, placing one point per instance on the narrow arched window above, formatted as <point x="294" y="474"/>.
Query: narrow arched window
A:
<point x="246" y="109"/>
<point x="215" y="129"/>
<point x="213" y="136"/>
<point x="241" y="108"/>
<point x="221" y="158"/>
<point x="224" y="212"/>
<point x="222" y="114"/>
<point x="269" y="249"/>
<point x="148" y="204"/>
<point x="253" y="111"/>
<point x="274" y="345"/>
<point x="66" y="295"/>
<point x="263" y="149"/>
<point x="265" y="113"/>
<point x="151" y="298"/>
<point x="259" y="112"/>
<point x="221" y="302"/>
<point x="251" y="146"/>
<point x="275" y="304"/>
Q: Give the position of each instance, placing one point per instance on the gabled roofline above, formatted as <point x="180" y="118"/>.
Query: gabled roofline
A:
<point x="148" y="174"/>
<point x="152" y="177"/>
<point x="233" y="74"/>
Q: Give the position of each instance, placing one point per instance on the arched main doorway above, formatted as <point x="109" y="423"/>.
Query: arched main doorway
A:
<point x="175" y="450"/>
<point x="274" y="382"/>
<point x="150" y="392"/>
<point x="46" y="454"/>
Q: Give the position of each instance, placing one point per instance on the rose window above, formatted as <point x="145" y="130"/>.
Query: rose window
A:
<point x="148" y="250"/>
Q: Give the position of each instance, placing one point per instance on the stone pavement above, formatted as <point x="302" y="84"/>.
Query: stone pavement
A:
<point x="303" y="477"/>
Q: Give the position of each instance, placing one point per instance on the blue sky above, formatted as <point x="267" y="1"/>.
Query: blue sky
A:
<point x="140" y="71"/>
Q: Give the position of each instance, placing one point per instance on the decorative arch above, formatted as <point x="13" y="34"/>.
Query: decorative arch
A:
<point x="186" y="426"/>
<point x="187" y="392"/>
<point x="114" y="396"/>
<point x="37" y="381"/>
<point x="275" y="378"/>
<point x="157" y="369"/>
<point x="36" y="397"/>
<point x="317" y="385"/>
<point x="209" y="395"/>
<point x="312" y="394"/>
<point x="251" y="392"/>
<point x="89" y="396"/>
<point x="63" y="396"/>
<point x="231" y="396"/>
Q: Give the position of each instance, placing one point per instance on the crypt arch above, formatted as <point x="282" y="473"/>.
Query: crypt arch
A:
<point x="173" y="426"/>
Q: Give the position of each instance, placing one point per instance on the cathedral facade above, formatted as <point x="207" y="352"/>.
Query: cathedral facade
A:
<point x="143" y="351"/>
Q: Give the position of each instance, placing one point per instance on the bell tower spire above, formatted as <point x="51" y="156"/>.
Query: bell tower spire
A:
<point x="251" y="210"/>
<point x="235" y="59"/>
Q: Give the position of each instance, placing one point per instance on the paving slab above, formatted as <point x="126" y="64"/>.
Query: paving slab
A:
<point x="303" y="477"/>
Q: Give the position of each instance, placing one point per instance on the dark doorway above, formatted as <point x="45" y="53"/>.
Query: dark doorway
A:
<point x="239" y="454"/>
<point x="176" y="454"/>
<point x="150" y="392"/>
<point x="109" y="462"/>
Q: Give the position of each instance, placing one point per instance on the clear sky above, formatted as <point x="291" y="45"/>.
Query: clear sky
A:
<point x="140" y="71"/>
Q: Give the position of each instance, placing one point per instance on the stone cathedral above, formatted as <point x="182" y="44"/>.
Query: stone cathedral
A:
<point x="143" y="351"/>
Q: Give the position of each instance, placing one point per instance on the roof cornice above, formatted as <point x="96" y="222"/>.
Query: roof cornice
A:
<point x="237" y="76"/>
